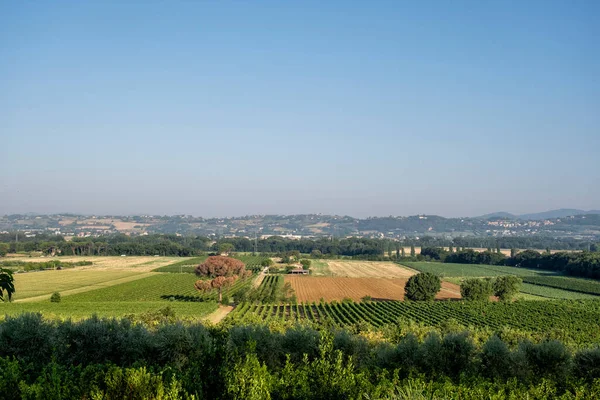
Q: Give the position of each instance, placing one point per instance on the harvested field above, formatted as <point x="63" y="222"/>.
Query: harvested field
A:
<point x="368" y="269"/>
<point x="140" y="263"/>
<point x="310" y="288"/>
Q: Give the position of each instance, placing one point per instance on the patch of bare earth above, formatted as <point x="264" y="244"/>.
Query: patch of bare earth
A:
<point x="218" y="315"/>
<point x="311" y="288"/>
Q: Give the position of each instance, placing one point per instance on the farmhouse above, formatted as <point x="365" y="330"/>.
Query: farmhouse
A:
<point x="299" y="271"/>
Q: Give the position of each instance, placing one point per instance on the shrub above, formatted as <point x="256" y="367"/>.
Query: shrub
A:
<point x="423" y="286"/>
<point x="495" y="358"/>
<point x="305" y="263"/>
<point x="587" y="364"/>
<point x="476" y="289"/>
<point x="506" y="287"/>
<point x="55" y="298"/>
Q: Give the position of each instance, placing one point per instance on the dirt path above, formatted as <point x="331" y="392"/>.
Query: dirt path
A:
<point x="218" y="315"/>
<point x="260" y="278"/>
<point x="87" y="288"/>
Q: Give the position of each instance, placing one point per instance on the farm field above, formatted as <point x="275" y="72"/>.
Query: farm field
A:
<point x="146" y="263"/>
<point x="44" y="283"/>
<point x="80" y="310"/>
<point x="572" y="320"/>
<point x="541" y="283"/>
<point x="312" y="288"/>
<point x="368" y="269"/>
<point x="471" y="270"/>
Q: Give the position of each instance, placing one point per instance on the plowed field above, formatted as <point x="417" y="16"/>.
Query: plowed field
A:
<point x="311" y="288"/>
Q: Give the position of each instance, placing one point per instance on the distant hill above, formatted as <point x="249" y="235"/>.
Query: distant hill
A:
<point x="499" y="214"/>
<point x="560" y="213"/>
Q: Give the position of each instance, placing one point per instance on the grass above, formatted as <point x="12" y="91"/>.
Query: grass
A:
<point x="471" y="270"/>
<point x="539" y="283"/>
<point x="80" y="310"/>
<point x="554" y="293"/>
<point x="320" y="268"/>
<point x="33" y="284"/>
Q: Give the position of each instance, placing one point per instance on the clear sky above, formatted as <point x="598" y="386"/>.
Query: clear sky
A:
<point x="339" y="107"/>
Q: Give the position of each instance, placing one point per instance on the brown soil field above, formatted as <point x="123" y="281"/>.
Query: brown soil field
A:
<point x="310" y="288"/>
<point x="369" y="269"/>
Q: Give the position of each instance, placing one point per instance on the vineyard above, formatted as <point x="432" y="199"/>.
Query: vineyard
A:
<point x="567" y="283"/>
<point x="188" y="265"/>
<point x="578" y="318"/>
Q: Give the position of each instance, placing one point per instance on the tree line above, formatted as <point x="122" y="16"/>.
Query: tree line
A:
<point x="583" y="264"/>
<point x="176" y="245"/>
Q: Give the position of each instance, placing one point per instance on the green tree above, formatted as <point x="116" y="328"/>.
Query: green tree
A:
<point x="476" y="289"/>
<point x="450" y="249"/>
<point x="55" y="298"/>
<point x="267" y="262"/>
<point x="513" y="252"/>
<point x="6" y="283"/>
<point x="4" y="249"/>
<point x="412" y="250"/>
<point x="316" y="253"/>
<point x="506" y="287"/>
<point x="423" y="286"/>
<point x="225" y="248"/>
<point x="402" y="251"/>
<point x="305" y="263"/>
<point x="498" y="249"/>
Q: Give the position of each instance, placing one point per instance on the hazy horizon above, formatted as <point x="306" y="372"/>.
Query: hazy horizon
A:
<point x="233" y="109"/>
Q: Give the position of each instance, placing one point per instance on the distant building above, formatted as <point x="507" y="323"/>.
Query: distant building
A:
<point x="299" y="271"/>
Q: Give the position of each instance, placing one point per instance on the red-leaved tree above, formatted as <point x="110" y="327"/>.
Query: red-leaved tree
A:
<point x="222" y="271"/>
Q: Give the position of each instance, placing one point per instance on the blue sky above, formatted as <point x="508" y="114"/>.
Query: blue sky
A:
<point x="357" y="108"/>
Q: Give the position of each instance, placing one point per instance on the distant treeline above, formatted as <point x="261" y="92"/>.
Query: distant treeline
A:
<point x="585" y="264"/>
<point x="175" y="245"/>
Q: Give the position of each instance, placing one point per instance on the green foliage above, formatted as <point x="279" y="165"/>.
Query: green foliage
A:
<point x="476" y="289"/>
<point x="423" y="286"/>
<point x="305" y="263"/>
<point x="267" y="262"/>
<point x="115" y="359"/>
<point x="248" y="379"/>
<point x="55" y="298"/>
<point x="506" y="287"/>
<point x="6" y="284"/>
<point x="4" y="247"/>
<point x="587" y="364"/>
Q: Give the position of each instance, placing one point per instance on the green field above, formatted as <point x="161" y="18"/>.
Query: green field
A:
<point x="79" y="310"/>
<point x="188" y="265"/>
<point x="33" y="284"/>
<point x="157" y="287"/>
<point x="471" y="270"/>
<point x="546" y="284"/>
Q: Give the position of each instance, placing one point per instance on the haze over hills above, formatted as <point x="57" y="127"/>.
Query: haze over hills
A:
<point x="581" y="226"/>
<point x="559" y="213"/>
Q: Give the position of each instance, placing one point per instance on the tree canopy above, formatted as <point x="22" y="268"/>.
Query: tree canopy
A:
<point x="423" y="286"/>
<point x="222" y="271"/>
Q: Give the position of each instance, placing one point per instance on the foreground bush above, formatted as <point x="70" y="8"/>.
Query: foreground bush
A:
<point x="116" y="359"/>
